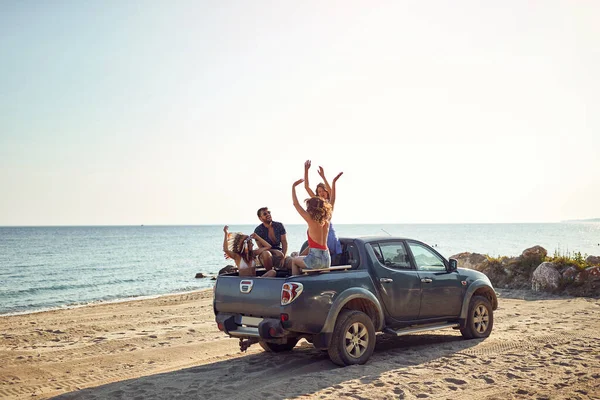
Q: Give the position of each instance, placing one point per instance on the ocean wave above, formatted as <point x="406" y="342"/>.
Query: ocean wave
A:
<point x="60" y="287"/>
<point x="15" y="266"/>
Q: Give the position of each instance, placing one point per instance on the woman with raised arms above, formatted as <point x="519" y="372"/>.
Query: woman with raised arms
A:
<point x="317" y="216"/>
<point x="328" y="193"/>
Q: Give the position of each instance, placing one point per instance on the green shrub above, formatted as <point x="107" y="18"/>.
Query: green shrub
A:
<point x="498" y="259"/>
<point x="575" y="259"/>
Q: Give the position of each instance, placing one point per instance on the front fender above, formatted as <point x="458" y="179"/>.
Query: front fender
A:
<point x="473" y="287"/>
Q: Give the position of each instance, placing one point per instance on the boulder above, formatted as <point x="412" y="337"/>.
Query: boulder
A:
<point x="582" y="277"/>
<point x="529" y="270"/>
<point x="593" y="273"/>
<point x="587" y="283"/>
<point x="534" y="253"/>
<point x="570" y="274"/>
<point x="545" y="278"/>
<point x="520" y="269"/>
<point x="200" y="275"/>
<point x="593" y="260"/>
<point x="227" y="270"/>
<point x="508" y="264"/>
<point x="470" y="260"/>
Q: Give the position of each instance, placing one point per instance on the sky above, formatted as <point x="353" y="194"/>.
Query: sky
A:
<point x="200" y="112"/>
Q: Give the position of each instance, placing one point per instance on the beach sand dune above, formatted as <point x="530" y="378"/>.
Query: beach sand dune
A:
<point x="542" y="347"/>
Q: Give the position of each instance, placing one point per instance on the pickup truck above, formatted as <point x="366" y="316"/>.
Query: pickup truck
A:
<point x="396" y="286"/>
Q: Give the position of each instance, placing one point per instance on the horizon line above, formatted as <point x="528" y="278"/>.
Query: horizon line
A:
<point x="294" y="224"/>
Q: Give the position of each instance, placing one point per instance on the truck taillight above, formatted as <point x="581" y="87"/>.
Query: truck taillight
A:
<point x="290" y="292"/>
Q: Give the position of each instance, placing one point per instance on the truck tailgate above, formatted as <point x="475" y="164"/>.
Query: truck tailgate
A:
<point x="256" y="297"/>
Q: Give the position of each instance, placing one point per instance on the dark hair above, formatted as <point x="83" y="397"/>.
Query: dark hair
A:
<point x="322" y="185"/>
<point x="260" y="210"/>
<point x="319" y="209"/>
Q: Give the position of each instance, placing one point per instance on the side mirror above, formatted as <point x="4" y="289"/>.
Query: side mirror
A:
<point x="452" y="265"/>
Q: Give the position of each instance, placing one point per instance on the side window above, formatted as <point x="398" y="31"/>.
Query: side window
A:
<point x="394" y="255"/>
<point x="425" y="259"/>
<point x="377" y="251"/>
<point x="350" y="255"/>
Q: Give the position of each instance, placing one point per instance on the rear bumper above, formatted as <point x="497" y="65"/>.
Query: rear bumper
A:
<point x="240" y="326"/>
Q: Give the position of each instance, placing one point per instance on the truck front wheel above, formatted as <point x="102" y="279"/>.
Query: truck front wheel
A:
<point x="353" y="339"/>
<point x="279" y="347"/>
<point x="480" y="319"/>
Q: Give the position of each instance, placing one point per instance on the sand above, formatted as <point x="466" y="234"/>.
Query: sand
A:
<point x="542" y="347"/>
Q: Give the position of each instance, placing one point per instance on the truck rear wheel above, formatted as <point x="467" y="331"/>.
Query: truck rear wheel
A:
<point x="353" y="339"/>
<point x="279" y="347"/>
<point x="480" y="319"/>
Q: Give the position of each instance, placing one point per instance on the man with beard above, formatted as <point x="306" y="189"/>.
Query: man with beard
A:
<point x="273" y="233"/>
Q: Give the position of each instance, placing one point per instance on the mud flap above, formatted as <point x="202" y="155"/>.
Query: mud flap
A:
<point x="321" y="340"/>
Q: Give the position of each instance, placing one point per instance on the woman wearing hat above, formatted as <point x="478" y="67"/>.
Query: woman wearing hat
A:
<point x="239" y="247"/>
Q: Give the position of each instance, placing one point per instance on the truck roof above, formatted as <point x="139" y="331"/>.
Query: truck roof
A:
<point x="375" y="238"/>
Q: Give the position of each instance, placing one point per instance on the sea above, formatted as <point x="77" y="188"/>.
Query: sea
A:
<point x="44" y="268"/>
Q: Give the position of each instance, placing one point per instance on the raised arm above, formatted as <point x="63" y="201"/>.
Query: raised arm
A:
<point x="297" y="205"/>
<point x="325" y="182"/>
<point x="330" y="189"/>
<point x="332" y="199"/>
<point x="263" y="245"/>
<point x="306" y="185"/>
<point x="230" y="254"/>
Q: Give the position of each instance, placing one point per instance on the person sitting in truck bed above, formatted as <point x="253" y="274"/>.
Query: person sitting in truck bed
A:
<point x="239" y="247"/>
<point x="274" y="233"/>
<point x="317" y="215"/>
<point x="328" y="193"/>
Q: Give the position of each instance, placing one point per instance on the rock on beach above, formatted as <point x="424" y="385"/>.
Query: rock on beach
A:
<point x="545" y="277"/>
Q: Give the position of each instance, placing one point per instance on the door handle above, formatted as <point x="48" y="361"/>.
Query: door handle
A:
<point x="385" y="280"/>
<point x="426" y="280"/>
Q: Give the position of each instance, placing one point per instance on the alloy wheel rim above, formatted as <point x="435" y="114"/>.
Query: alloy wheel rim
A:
<point x="356" y="340"/>
<point x="481" y="318"/>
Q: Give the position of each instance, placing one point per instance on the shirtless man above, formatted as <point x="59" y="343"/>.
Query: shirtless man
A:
<point x="273" y="233"/>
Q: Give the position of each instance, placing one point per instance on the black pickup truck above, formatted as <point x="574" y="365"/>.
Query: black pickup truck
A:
<point x="397" y="286"/>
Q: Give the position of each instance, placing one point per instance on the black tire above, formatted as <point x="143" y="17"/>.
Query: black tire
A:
<point x="480" y="319"/>
<point x="353" y="339"/>
<point x="279" y="347"/>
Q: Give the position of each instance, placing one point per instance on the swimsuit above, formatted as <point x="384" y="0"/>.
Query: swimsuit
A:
<point x="318" y="255"/>
<point x="244" y="265"/>
<point x="314" y="245"/>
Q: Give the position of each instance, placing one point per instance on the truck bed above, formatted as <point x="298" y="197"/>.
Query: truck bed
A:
<point x="258" y="296"/>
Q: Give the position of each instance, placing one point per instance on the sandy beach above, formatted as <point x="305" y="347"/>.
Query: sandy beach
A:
<point x="542" y="347"/>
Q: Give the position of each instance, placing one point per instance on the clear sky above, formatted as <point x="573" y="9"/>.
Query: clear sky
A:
<point x="196" y="112"/>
